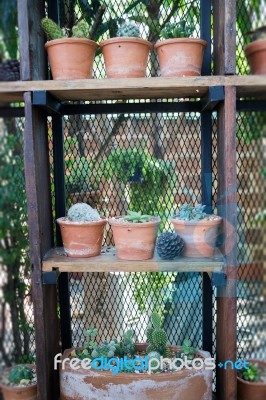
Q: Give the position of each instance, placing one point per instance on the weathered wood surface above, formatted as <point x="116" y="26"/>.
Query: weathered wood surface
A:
<point x="224" y="38"/>
<point x="227" y="206"/>
<point x="134" y="88"/>
<point x="108" y="262"/>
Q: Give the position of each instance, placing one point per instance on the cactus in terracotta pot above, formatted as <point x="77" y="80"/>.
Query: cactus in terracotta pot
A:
<point x="157" y="337"/>
<point x="82" y="231"/>
<point x="19" y="382"/>
<point x="135" y="235"/>
<point x="126" y="55"/>
<point x="198" y="230"/>
<point x="69" y="57"/>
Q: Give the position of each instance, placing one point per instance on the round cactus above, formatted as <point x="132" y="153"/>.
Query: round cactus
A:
<point x="128" y="29"/>
<point x="82" y="212"/>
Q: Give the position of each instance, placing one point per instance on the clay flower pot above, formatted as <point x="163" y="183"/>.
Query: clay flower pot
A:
<point x="199" y="236"/>
<point x="186" y="384"/>
<point x="71" y="58"/>
<point x="256" y="55"/>
<point x="180" y="57"/>
<point x="82" y="239"/>
<point x="18" y="393"/>
<point x="251" y="390"/>
<point x="134" y="241"/>
<point x="125" y="57"/>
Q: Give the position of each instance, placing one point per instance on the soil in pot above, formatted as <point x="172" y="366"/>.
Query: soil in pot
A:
<point x="82" y="239"/>
<point x="180" y="57"/>
<point x="134" y="241"/>
<point x="86" y="384"/>
<point x="199" y="236"/>
<point x="125" y="57"/>
<point x="71" y="58"/>
<point x="256" y="56"/>
<point x="252" y="390"/>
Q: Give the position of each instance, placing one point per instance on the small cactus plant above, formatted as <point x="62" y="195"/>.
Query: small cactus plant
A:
<point x="157" y="337"/>
<point x="104" y="349"/>
<point x="182" y="29"/>
<point x="53" y="31"/>
<point x="82" y="212"/>
<point x="128" y="29"/>
<point x="20" y="375"/>
<point x="136" y="216"/>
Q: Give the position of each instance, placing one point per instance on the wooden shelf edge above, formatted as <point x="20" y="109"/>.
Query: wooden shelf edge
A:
<point x="134" y="88"/>
<point x="107" y="262"/>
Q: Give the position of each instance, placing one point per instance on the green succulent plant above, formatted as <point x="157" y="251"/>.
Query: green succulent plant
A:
<point x="128" y="29"/>
<point x="20" y="374"/>
<point x="189" y="213"/>
<point x="181" y="29"/>
<point x="126" y="346"/>
<point x="157" y="337"/>
<point x="251" y="373"/>
<point x="188" y="350"/>
<point x="137" y="217"/>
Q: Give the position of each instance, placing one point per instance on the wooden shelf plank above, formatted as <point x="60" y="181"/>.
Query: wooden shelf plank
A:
<point x="134" y="88"/>
<point x="107" y="262"/>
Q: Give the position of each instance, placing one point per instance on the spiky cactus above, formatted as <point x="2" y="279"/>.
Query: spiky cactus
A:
<point x="51" y="29"/>
<point x="157" y="337"/>
<point x="104" y="350"/>
<point x="128" y="29"/>
<point x="81" y="30"/>
<point x="82" y="212"/>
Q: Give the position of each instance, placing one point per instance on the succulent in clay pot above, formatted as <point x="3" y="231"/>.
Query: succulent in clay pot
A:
<point x="135" y="235"/>
<point x="82" y="231"/>
<point x="122" y="368"/>
<point x="198" y="230"/>
<point x="19" y="382"/>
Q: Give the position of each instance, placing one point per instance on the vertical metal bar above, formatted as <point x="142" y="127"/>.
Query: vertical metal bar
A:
<point x="206" y="173"/>
<point x="60" y="210"/>
<point x="60" y="206"/>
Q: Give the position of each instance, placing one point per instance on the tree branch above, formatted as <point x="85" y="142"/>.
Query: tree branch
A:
<point x="97" y="22"/>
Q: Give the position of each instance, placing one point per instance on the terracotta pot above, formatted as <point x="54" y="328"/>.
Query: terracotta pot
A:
<point x="71" y="58"/>
<point x="180" y="57"/>
<point x="251" y="390"/>
<point x="125" y="57"/>
<point x="134" y="241"/>
<point x="19" y="393"/>
<point x="85" y="384"/>
<point x="82" y="239"/>
<point x="199" y="236"/>
<point x="256" y="55"/>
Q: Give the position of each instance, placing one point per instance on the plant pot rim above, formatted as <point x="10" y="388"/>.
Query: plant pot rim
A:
<point x="163" y="42"/>
<point x="256" y="45"/>
<point x="217" y="219"/>
<point x="71" y="41"/>
<point x="125" y="39"/>
<point x="66" y="221"/>
<point x="115" y="221"/>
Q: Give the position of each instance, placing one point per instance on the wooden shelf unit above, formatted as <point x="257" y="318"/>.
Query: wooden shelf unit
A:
<point x="108" y="262"/>
<point x="134" y="88"/>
